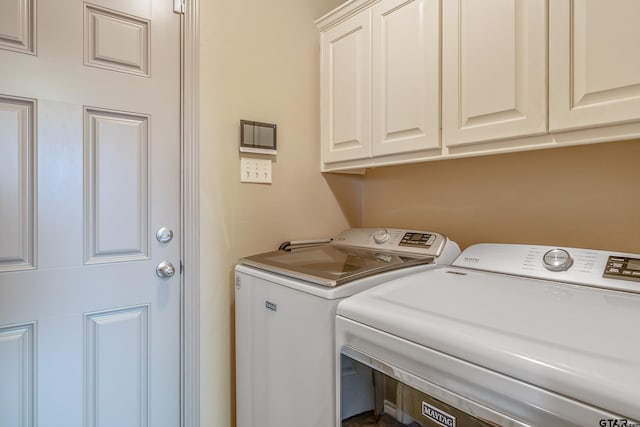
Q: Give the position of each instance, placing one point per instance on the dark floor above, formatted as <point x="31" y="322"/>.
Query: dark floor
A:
<point x="367" y="419"/>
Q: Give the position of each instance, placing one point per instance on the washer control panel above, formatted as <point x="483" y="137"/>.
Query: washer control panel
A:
<point x="623" y="268"/>
<point x="381" y="236"/>
<point x="417" y="240"/>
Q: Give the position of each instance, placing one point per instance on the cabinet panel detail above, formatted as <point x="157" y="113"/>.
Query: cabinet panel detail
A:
<point x="594" y="63"/>
<point x="117" y="368"/>
<point x="406" y="76"/>
<point x="116" y="199"/>
<point x="597" y="77"/>
<point x="345" y="98"/>
<point x="345" y="77"/>
<point x="494" y="61"/>
<point x="17" y="188"/>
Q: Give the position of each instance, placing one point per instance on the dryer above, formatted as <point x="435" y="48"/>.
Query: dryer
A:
<point x="285" y="312"/>
<point x="509" y="335"/>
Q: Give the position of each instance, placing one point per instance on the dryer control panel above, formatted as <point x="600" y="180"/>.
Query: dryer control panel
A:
<point x="611" y="270"/>
<point x="624" y="268"/>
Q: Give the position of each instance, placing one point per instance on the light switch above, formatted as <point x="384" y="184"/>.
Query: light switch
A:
<point x="255" y="170"/>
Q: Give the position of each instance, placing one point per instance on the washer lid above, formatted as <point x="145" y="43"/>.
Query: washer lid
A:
<point x="332" y="265"/>
<point x="357" y="253"/>
<point x="578" y="341"/>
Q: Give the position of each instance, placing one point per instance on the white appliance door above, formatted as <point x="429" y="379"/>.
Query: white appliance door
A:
<point x="284" y="355"/>
<point x="574" y="340"/>
<point x="89" y="172"/>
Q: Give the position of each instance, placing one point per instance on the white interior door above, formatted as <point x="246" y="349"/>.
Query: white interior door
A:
<point x="89" y="172"/>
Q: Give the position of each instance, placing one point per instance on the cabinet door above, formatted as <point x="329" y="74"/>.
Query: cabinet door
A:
<point x="494" y="70"/>
<point x="345" y="93"/>
<point x="406" y="76"/>
<point x="594" y="60"/>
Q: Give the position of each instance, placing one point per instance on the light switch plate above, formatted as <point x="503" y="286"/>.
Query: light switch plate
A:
<point x="255" y="170"/>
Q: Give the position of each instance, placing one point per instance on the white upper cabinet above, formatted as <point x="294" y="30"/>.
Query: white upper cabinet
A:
<point x="494" y="70"/>
<point x="380" y="79"/>
<point x="594" y="60"/>
<point x="345" y="100"/>
<point x="496" y="76"/>
<point x="405" y="76"/>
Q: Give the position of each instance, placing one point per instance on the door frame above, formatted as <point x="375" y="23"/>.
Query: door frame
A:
<point x="190" y="216"/>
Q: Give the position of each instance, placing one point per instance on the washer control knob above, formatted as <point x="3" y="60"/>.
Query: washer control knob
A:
<point x="557" y="260"/>
<point x="381" y="236"/>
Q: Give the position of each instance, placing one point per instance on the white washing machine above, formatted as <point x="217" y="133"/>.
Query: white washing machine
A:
<point x="285" y="313"/>
<point x="509" y="335"/>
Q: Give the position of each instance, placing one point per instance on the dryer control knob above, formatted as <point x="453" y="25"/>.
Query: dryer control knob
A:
<point x="557" y="260"/>
<point x="381" y="236"/>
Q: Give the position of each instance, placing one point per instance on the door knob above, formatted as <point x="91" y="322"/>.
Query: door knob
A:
<point x="164" y="235"/>
<point x="165" y="270"/>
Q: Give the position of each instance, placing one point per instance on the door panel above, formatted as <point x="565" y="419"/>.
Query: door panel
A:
<point x="116" y="199"/>
<point x="105" y="333"/>
<point x="16" y="183"/>
<point x="17" y="25"/>
<point x="116" y="41"/>
<point x="17" y="372"/>
<point x="89" y="170"/>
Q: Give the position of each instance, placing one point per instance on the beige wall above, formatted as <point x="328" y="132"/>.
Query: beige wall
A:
<point x="259" y="61"/>
<point x="585" y="196"/>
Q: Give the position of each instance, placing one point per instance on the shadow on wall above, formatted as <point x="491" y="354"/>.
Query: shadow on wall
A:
<point x="348" y="190"/>
<point x="584" y="196"/>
